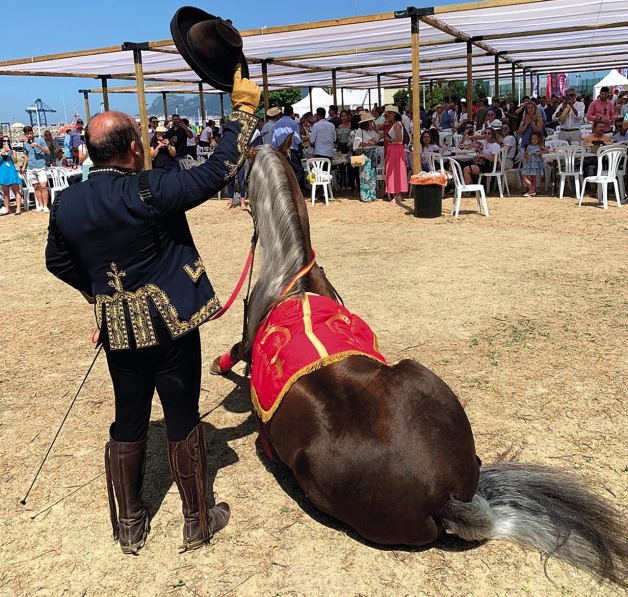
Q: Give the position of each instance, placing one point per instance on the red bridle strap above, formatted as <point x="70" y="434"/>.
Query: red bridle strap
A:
<point x="300" y="274"/>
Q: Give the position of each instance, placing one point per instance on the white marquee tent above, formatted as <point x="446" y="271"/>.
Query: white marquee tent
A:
<point x="613" y="79"/>
<point x="320" y="99"/>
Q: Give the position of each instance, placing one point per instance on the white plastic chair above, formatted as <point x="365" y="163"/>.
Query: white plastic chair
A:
<point x="552" y="145"/>
<point x="380" y="166"/>
<point x="498" y="172"/>
<point x="28" y="180"/>
<point x="321" y="169"/>
<point x="59" y="182"/>
<point x="187" y="163"/>
<point x="566" y="166"/>
<point x="461" y="187"/>
<point x="603" y="177"/>
<point x="516" y="170"/>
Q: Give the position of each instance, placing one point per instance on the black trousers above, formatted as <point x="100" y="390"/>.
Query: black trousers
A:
<point x="297" y="166"/>
<point x="173" y="368"/>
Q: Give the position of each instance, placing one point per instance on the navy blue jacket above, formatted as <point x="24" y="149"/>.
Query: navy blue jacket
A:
<point x="104" y="241"/>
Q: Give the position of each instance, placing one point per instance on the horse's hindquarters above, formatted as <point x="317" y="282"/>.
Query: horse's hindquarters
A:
<point x="381" y="448"/>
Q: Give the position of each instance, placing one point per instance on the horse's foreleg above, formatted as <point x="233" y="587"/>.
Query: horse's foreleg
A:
<point x="224" y="363"/>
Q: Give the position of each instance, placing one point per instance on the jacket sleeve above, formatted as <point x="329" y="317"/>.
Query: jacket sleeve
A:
<point x="62" y="263"/>
<point x="176" y="191"/>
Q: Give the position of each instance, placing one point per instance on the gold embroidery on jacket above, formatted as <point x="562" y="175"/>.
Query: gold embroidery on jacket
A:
<point x="195" y="273"/>
<point x="249" y="124"/>
<point x="139" y="313"/>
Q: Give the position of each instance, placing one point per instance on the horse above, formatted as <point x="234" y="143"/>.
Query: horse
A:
<point x="387" y="448"/>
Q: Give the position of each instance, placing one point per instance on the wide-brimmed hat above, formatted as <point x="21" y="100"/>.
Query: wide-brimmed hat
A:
<point x="496" y="124"/>
<point x="161" y="129"/>
<point x="272" y="112"/>
<point x="391" y="108"/>
<point x="211" y="46"/>
<point x="366" y="117"/>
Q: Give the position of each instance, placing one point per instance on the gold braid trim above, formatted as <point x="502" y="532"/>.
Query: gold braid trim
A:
<point x="248" y="124"/>
<point x="266" y="415"/>
<point x="195" y="273"/>
<point x="139" y="313"/>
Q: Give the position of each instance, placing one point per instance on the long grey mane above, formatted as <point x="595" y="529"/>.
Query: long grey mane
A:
<point x="280" y="235"/>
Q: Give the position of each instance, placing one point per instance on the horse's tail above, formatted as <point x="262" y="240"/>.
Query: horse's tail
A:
<point x="537" y="507"/>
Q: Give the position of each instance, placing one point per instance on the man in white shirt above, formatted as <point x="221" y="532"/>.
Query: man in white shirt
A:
<point x="569" y="115"/>
<point x="323" y="136"/>
<point x="205" y="140"/>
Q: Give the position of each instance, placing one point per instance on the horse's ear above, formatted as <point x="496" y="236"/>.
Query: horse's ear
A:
<point x="250" y="156"/>
<point x="285" y="146"/>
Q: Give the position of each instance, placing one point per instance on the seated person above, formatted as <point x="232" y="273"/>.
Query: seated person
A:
<point x="621" y="134"/>
<point x="427" y="146"/>
<point x="467" y="135"/>
<point x="597" y="138"/>
<point x="483" y="161"/>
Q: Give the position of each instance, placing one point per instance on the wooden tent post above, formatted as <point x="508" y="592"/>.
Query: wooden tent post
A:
<point x="431" y="93"/>
<point x="513" y="89"/>
<point x="416" y="120"/>
<point x="141" y="95"/>
<point x="165" y="102"/>
<point x="105" y="91"/>
<point x="523" y="77"/>
<point x="333" y="85"/>
<point x="470" y="80"/>
<point x="201" y="98"/>
<point x="531" y="83"/>
<point x="379" y="89"/>
<point x="309" y="91"/>
<point x="85" y="93"/>
<point x="496" y="93"/>
<point x="342" y="98"/>
<point x="222" y="106"/>
<point x="265" y="84"/>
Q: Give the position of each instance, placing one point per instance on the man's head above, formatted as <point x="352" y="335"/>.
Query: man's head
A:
<point x="543" y="102"/>
<point x="79" y="125"/>
<point x="113" y="139"/>
<point x="619" y="124"/>
<point x="68" y="131"/>
<point x="320" y="114"/>
<point x="376" y="112"/>
<point x="598" y="127"/>
<point x="185" y="121"/>
<point x="153" y="123"/>
<point x="288" y="110"/>
<point x="570" y="95"/>
<point x="604" y="93"/>
<point x="28" y="131"/>
<point x="333" y="111"/>
<point x="176" y="121"/>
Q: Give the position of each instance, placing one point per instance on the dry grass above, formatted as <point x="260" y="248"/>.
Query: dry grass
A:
<point x="523" y="314"/>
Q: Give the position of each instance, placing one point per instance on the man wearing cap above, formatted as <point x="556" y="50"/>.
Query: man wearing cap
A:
<point x="272" y="115"/>
<point x="284" y="127"/>
<point x="122" y="239"/>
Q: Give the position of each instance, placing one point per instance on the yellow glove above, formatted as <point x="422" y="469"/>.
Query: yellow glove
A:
<point x="245" y="95"/>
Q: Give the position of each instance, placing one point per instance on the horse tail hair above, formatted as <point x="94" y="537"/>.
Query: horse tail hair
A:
<point x="538" y="507"/>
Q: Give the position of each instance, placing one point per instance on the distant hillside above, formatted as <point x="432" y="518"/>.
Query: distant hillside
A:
<point x="189" y="106"/>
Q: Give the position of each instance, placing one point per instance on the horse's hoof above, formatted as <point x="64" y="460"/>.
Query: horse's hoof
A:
<point x="215" y="369"/>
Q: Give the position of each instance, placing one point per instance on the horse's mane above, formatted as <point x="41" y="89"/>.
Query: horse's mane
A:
<point x="280" y="235"/>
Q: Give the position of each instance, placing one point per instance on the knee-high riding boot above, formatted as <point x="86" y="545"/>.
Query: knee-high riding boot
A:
<point x="124" y="466"/>
<point x="188" y="462"/>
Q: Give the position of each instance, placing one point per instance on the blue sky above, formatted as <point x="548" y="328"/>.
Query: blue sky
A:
<point x="36" y="27"/>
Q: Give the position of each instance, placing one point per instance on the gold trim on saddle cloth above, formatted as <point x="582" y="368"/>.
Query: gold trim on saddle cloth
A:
<point x="324" y="359"/>
<point x="139" y="313"/>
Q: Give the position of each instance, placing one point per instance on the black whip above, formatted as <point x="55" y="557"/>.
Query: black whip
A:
<point x="23" y="500"/>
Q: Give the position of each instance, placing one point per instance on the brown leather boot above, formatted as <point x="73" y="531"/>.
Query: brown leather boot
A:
<point x="188" y="462"/>
<point x="124" y="467"/>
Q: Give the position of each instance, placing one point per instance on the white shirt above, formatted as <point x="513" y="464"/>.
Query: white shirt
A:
<point x="364" y="137"/>
<point x="490" y="148"/>
<point x="510" y="142"/>
<point x="322" y="138"/>
<point x="572" y="121"/>
<point x="206" y="134"/>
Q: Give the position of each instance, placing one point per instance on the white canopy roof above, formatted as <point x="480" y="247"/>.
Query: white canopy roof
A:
<point x="320" y="99"/>
<point x="613" y="79"/>
<point x="541" y="35"/>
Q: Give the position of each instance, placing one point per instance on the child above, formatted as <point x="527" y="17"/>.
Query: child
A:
<point x="533" y="162"/>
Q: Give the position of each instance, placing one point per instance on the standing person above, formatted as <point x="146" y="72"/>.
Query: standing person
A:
<point x="76" y="134"/>
<point x="205" y="140"/>
<point x="602" y="108"/>
<point x="9" y="178"/>
<point x="396" y="173"/>
<point x="190" y="141"/>
<point x="323" y="136"/>
<point x="162" y="152"/>
<point x="509" y="141"/>
<point x="35" y="152"/>
<point x="531" y="122"/>
<point x="333" y="116"/>
<point x="50" y="156"/>
<point x="285" y="126"/>
<point x="272" y="115"/>
<point x="153" y="123"/>
<point x="178" y="135"/>
<point x="67" y="145"/>
<point x="365" y="142"/>
<point x="569" y="116"/>
<point x="533" y="162"/>
<point x="124" y="242"/>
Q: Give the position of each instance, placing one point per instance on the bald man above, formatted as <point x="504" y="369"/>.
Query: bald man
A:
<point x="122" y="239"/>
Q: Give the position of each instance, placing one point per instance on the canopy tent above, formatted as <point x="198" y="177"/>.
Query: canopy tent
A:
<point x="316" y="98"/>
<point x="388" y="50"/>
<point x="613" y="79"/>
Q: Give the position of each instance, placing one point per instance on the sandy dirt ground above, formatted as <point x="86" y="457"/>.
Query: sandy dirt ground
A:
<point x="523" y="314"/>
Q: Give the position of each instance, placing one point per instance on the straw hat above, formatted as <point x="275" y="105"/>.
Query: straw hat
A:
<point x="391" y="108"/>
<point x="211" y="46"/>
<point x="272" y="112"/>
<point x="161" y="129"/>
<point x="366" y="117"/>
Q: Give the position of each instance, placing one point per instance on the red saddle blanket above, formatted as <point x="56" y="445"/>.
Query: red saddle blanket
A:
<point x="301" y="335"/>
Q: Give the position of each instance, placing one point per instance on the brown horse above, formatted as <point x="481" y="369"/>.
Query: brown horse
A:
<point x="388" y="449"/>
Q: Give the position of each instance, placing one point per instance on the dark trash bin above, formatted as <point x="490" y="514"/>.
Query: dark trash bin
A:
<point x="428" y="201"/>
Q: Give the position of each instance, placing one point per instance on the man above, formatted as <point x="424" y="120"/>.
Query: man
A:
<point x="178" y="135"/>
<point x="621" y="134"/>
<point x="190" y="142"/>
<point x="272" y="115"/>
<point x="446" y="121"/>
<point x="76" y="134"/>
<point x="333" y="116"/>
<point x="480" y="114"/>
<point x="153" y="123"/>
<point x="67" y="147"/>
<point x="205" y="140"/>
<point x="569" y="116"/>
<point x="550" y="108"/>
<point x="602" y="108"/>
<point x="380" y="120"/>
<point x="323" y="136"/>
<point x="285" y="126"/>
<point x="123" y="241"/>
<point x="35" y="152"/>
<point x="355" y="119"/>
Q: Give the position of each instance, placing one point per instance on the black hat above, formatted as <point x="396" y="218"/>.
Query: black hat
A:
<point x="211" y="46"/>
